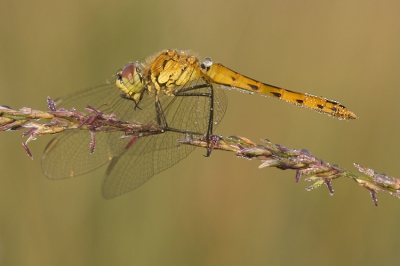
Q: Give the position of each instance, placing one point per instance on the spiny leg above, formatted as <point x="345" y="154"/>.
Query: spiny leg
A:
<point x="188" y="92"/>
<point x="161" y="119"/>
<point x="123" y="95"/>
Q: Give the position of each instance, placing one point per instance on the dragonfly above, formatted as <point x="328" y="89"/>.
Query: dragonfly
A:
<point x="173" y="89"/>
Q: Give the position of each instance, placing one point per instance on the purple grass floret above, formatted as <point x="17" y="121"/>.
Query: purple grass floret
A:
<point x="27" y="150"/>
<point x="92" y="142"/>
<point x="131" y="142"/>
<point x="51" y="105"/>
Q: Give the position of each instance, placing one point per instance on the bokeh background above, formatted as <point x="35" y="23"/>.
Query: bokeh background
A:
<point x="219" y="210"/>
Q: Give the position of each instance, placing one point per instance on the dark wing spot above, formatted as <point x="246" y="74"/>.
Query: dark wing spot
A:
<point x="276" y="94"/>
<point x="253" y="87"/>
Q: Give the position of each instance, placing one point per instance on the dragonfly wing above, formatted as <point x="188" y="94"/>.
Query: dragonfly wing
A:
<point x="106" y="97"/>
<point x="145" y="158"/>
<point x="68" y="154"/>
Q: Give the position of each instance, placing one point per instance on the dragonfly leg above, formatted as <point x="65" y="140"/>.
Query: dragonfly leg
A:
<point x="161" y="120"/>
<point x="191" y="91"/>
<point x="123" y="95"/>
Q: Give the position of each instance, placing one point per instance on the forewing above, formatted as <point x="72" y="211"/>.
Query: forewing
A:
<point x="69" y="153"/>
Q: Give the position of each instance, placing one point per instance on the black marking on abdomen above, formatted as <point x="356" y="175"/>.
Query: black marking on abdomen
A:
<point x="299" y="101"/>
<point x="276" y="94"/>
<point x="253" y="87"/>
<point x="320" y="106"/>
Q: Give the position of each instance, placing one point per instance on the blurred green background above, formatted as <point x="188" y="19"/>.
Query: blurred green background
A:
<point x="219" y="210"/>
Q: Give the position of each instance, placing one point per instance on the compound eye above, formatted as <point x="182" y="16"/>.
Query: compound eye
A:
<point x="128" y="72"/>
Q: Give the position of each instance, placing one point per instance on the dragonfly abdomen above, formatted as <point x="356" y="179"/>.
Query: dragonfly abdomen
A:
<point x="225" y="76"/>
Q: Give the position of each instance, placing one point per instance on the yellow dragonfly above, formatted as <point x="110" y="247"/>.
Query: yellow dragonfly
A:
<point x="173" y="90"/>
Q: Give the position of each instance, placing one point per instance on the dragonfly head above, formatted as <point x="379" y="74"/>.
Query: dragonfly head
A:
<point x="130" y="82"/>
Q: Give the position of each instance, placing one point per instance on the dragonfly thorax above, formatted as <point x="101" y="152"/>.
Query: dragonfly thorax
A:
<point x="172" y="69"/>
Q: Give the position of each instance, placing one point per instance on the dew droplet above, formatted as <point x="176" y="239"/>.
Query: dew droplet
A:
<point x="207" y="62"/>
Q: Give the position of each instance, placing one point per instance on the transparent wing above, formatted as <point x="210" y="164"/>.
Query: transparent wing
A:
<point x="106" y="97"/>
<point x="147" y="157"/>
<point x="150" y="155"/>
<point x="68" y="155"/>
